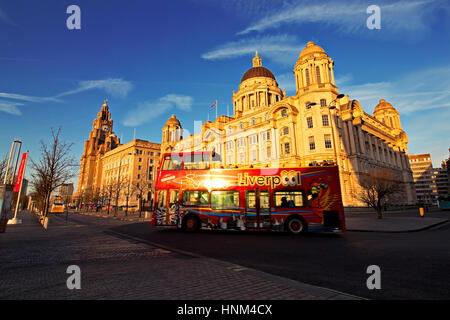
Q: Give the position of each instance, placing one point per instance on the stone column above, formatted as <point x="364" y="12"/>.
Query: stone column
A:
<point x="332" y="74"/>
<point x="352" y="138"/>
<point x="361" y="141"/>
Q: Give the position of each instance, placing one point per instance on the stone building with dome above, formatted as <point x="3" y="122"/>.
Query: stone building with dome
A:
<point x="316" y="126"/>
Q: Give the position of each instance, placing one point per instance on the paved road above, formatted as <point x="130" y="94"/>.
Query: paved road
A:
<point x="34" y="261"/>
<point x="413" y="265"/>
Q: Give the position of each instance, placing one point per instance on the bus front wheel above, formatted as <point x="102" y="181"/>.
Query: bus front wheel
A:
<point x="191" y="223"/>
<point x="296" y="225"/>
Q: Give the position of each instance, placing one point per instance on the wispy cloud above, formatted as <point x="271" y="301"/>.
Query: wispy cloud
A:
<point x="10" y="107"/>
<point x="149" y="110"/>
<point x="21" y="97"/>
<point x="5" y="18"/>
<point x="417" y="91"/>
<point x="279" y="48"/>
<point x="114" y="87"/>
<point x="346" y="16"/>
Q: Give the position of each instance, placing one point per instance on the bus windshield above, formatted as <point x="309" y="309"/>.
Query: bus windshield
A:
<point x="172" y="162"/>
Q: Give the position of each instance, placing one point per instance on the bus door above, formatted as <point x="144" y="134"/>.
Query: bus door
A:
<point x="167" y="207"/>
<point x="258" y="209"/>
<point x="263" y="209"/>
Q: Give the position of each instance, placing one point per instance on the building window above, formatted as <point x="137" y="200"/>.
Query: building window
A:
<point x="312" y="144"/>
<point x="285" y="131"/>
<point x="140" y="159"/>
<point x="138" y="176"/>
<point x="151" y="153"/>
<point x="241" y="157"/>
<point x="266" y="135"/>
<point x="253" y="139"/>
<point x="254" y="157"/>
<point x="318" y="75"/>
<point x="241" y="126"/>
<point x="325" y="121"/>
<point x="309" y="121"/>
<point x="139" y="167"/>
<point x="253" y="121"/>
<point x="307" y="77"/>
<point x="323" y="102"/>
<point x="283" y="113"/>
<point x="269" y="152"/>
<point x="241" y="142"/>
<point x="287" y="148"/>
<point x="328" y="141"/>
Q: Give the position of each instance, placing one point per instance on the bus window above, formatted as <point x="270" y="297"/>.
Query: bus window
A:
<point x="161" y="198"/>
<point x="195" y="198"/>
<point x="225" y="199"/>
<point x="196" y="162"/>
<point x="263" y="199"/>
<point x="172" y="162"/>
<point x="173" y="198"/>
<point x="289" y="199"/>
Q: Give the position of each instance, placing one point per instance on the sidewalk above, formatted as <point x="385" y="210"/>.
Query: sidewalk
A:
<point x="394" y="221"/>
<point x="132" y="216"/>
<point x="116" y="266"/>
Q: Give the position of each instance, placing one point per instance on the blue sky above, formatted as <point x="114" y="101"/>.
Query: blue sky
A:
<point x="155" y="58"/>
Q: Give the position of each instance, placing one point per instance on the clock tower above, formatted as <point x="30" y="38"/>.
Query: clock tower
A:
<point x="101" y="140"/>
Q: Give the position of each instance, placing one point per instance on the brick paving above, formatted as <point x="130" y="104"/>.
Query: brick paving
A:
<point x="34" y="263"/>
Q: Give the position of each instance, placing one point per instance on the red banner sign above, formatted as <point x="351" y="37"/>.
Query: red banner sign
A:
<point x="18" y="184"/>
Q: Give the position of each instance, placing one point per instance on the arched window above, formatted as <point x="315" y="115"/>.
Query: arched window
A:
<point x="318" y="74"/>
<point x="307" y="77"/>
<point x="241" y="126"/>
<point x="283" y="113"/>
<point x="253" y="121"/>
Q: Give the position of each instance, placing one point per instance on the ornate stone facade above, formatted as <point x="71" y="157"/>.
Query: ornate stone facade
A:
<point x="106" y="164"/>
<point x="101" y="140"/>
<point x="314" y="126"/>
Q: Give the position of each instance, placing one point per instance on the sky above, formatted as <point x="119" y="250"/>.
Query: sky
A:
<point x="151" y="59"/>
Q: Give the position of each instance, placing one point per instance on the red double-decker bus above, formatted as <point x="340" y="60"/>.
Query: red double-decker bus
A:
<point x="193" y="192"/>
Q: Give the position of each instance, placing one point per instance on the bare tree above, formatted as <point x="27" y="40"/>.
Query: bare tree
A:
<point x="378" y="189"/>
<point x="3" y="164"/>
<point x="54" y="168"/>
<point x="117" y="186"/>
<point x="128" y="190"/>
<point x="141" y="189"/>
<point x="108" y="192"/>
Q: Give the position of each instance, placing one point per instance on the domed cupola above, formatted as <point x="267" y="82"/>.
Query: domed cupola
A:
<point x="258" y="88"/>
<point x="172" y="133"/>
<point x="314" y="70"/>
<point x="257" y="70"/>
<point x="386" y="113"/>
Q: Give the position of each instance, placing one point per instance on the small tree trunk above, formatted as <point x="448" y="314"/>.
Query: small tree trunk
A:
<point x="379" y="213"/>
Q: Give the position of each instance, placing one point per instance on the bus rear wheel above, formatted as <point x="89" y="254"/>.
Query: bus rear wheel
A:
<point x="191" y="223"/>
<point x="296" y="225"/>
